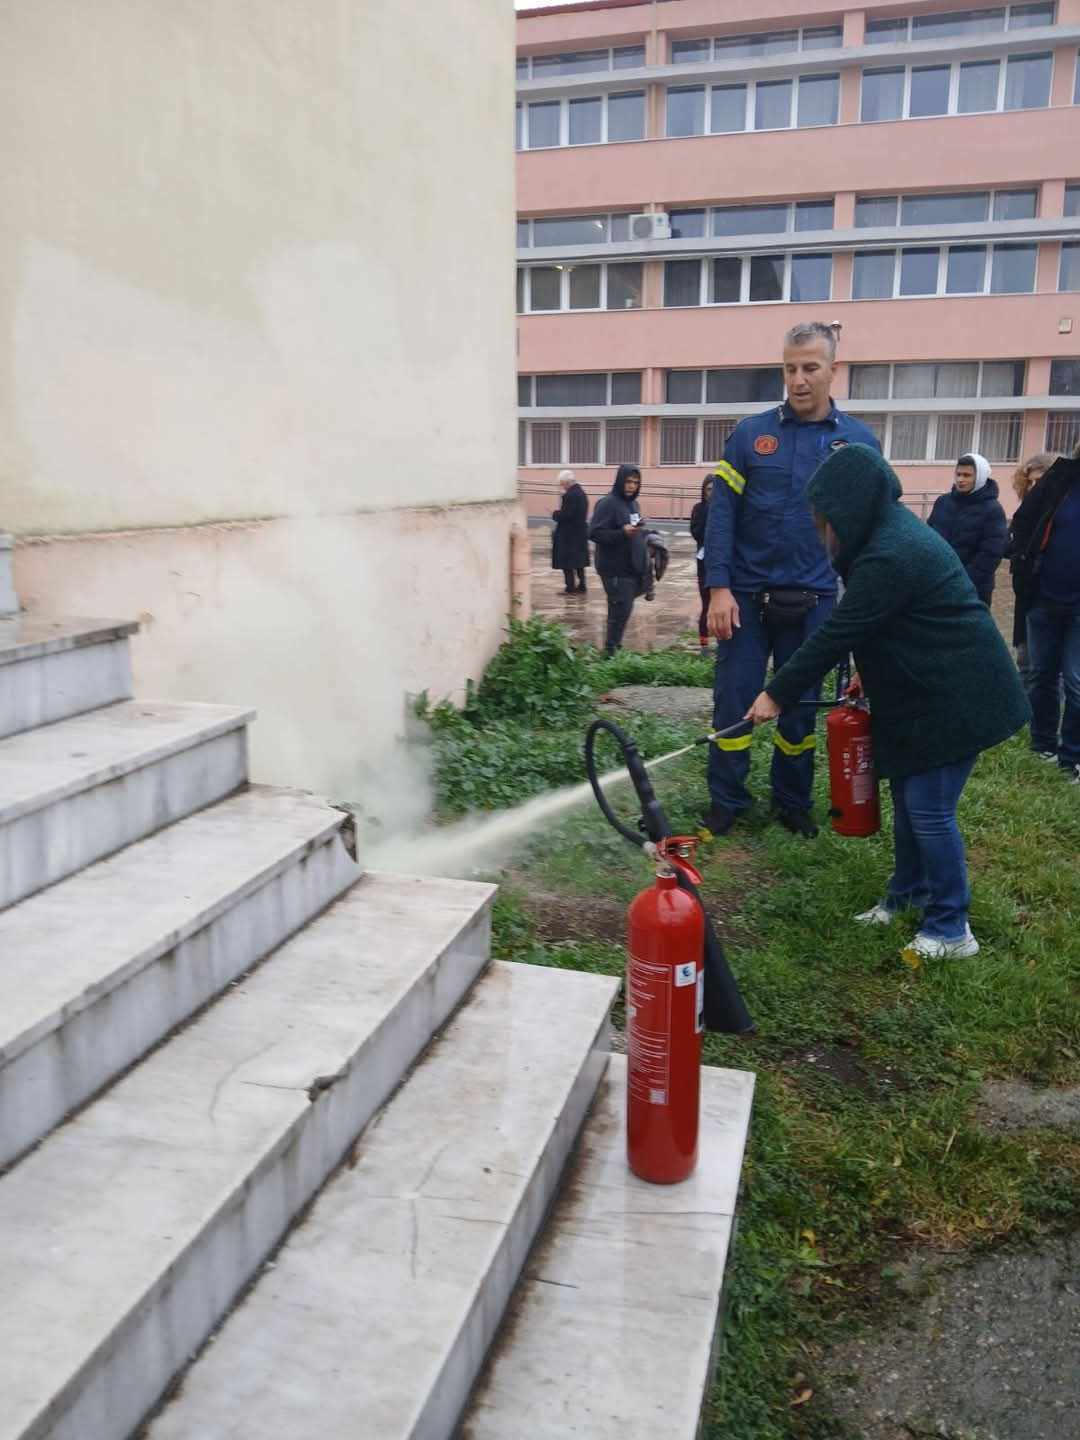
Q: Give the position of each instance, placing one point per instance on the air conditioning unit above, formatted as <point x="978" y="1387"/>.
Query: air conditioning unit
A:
<point x="650" y="227"/>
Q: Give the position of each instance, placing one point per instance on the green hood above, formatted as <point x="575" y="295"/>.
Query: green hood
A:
<point x="853" y="489"/>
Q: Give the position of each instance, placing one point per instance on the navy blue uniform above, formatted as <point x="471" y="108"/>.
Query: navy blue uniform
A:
<point x="761" y="536"/>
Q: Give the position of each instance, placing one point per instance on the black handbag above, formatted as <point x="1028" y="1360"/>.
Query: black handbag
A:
<point x="782" y="608"/>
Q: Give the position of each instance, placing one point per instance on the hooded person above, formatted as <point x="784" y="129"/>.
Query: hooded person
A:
<point x="570" y="540"/>
<point x="615" y="524"/>
<point x="971" y="519"/>
<point x="699" y="520"/>
<point x="940" y="681"/>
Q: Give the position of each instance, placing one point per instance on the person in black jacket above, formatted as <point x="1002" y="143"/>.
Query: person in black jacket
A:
<point x="1025" y="477"/>
<point x="699" y="519"/>
<point x="1046" y="573"/>
<point x="570" y="541"/>
<point x="615" y="520"/>
<point x="971" y="519"/>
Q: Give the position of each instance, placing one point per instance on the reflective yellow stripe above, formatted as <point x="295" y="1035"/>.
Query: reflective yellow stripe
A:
<point x="810" y="743"/>
<point x="730" y="476"/>
<point x="737" y="742"/>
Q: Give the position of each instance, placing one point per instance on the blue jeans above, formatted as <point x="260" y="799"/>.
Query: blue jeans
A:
<point x="741" y="663"/>
<point x="1054" y="659"/>
<point x="930" y="865"/>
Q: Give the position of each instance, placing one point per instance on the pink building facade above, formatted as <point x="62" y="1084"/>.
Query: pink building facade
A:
<point x="695" y="176"/>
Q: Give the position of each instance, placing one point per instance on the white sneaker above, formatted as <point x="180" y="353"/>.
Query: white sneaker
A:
<point x="931" y="948"/>
<point x="879" y="915"/>
<point x="1047" y="755"/>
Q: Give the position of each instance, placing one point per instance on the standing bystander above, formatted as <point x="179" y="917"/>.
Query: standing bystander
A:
<point x="570" y="541"/>
<point x="971" y="519"/>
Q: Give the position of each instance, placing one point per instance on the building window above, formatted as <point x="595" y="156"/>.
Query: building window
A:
<point x="584" y="120"/>
<point x="756" y="47"/>
<point x="564" y="230"/>
<point x="1020" y="82"/>
<point x="953" y="380"/>
<point x="747" y="279"/>
<point x="944" y="270"/>
<point x="808" y="101"/>
<point x="581" y="62"/>
<point x="940" y="439"/>
<point x="1069" y="273"/>
<point x="964" y="207"/>
<point x="594" y="388"/>
<point x="1072" y="199"/>
<point x="579" y="442"/>
<point x="1065" y="377"/>
<point x="546" y="288"/>
<point x="770" y="219"/>
<point x="960" y="22"/>
<point x="623" y="442"/>
<point x="678" y="442"/>
<point x="1063" y="431"/>
<point x="738" y="385"/>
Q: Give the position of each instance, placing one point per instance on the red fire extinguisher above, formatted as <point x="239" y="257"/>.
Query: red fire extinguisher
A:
<point x="665" y="998"/>
<point x="853" y="785"/>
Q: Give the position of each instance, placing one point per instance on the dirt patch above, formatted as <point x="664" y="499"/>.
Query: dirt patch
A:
<point x="557" y="917"/>
<point x="1005" y="1105"/>
<point x="672" y="702"/>
<point x="843" y="1064"/>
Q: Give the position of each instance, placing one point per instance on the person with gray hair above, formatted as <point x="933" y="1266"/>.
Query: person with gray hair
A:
<point x="770" y="581"/>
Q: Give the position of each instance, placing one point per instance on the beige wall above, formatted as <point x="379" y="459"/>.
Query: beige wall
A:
<point x="255" y="330"/>
<point x="255" y="258"/>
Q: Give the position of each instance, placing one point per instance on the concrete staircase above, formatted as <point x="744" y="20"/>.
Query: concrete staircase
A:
<point x="236" y="1068"/>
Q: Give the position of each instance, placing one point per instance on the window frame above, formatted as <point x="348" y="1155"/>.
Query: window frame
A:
<point x="523" y="132"/>
<point x="610" y="68"/>
<point x="933" y="418"/>
<point x="891" y="365"/>
<point x="705" y="286"/>
<point x="951" y="105"/>
<point x="898" y="222"/>
<point x="718" y="51"/>
<point x="525" y="440"/>
<point x="943" y="249"/>
<point x="908" y="21"/>
<point x="566" y="270"/>
<point x="1069" y="248"/>
<point x="530" y="378"/>
<point x="750" y="84"/>
<point x="700" y="423"/>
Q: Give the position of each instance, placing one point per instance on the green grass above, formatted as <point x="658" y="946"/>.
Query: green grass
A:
<point x="843" y="1179"/>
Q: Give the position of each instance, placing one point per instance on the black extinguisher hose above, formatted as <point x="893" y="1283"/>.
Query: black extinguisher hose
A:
<point x="725" y="1009"/>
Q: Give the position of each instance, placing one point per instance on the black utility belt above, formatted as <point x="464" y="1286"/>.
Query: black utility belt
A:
<point x="786" y="607"/>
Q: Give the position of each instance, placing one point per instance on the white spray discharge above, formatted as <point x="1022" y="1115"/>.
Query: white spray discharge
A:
<point x="487" y="841"/>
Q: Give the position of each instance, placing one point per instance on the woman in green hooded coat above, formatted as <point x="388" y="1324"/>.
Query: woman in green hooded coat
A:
<point x="941" y="684"/>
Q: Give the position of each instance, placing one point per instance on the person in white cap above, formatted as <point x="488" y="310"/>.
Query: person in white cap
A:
<point x="570" y="541"/>
<point x="971" y="519"/>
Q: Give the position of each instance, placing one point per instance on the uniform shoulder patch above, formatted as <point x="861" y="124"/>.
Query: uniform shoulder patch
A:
<point x="838" y="445"/>
<point x="766" y="445"/>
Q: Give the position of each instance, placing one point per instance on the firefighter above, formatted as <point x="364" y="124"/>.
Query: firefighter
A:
<point x="770" y="580"/>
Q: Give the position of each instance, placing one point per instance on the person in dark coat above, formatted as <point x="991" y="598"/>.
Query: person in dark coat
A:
<point x="699" y="519"/>
<point x="1025" y="478"/>
<point x="971" y="519"/>
<point x="940" y="680"/>
<point x="570" y="541"/>
<point x="615" y="521"/>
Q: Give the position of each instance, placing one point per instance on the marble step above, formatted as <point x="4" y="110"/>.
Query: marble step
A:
<point x="129" y="1233"/>
<point x="97" y="969"/>
<point x="52" y="669"/>
<point x="611" y="1334"/>
<point x="379" y="1309"/>
<point x="74" y="792"/>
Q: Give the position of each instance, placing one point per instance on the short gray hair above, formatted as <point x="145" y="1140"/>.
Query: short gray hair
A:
<point x="809" y="331"/>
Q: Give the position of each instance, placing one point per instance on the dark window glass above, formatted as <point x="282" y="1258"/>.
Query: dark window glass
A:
<point x="823" y="37"/>
<point x="886" y="32"/>
<point x="944" y="209"/>
<point x="811" y="277"/>
<point x="1029" y="17"/>
<point x="960" y="22"/>
<point x="869" y="382"/>
<point x="545" y="284"/>
<point x="571" y="389"/>
<point x="1027" y="81"/>
<point x="690" y="52"/>
<point x="523" y="441"/>
<point x="772" y="106"/>
<point x="586" y="121"/>
<point x="584" y="287"/>
<point x="875" y="210"/>
<point x="728" y="113"/>
<point x="1069" y="274"/>
<point x="726" y="280"/>
<point x="522" y="234"/>
<point x="735" y="387"/>
<point x="628" y="57"/>
<point x="519" y="292"/>
<point x="624" y="284"/>
<point x="819" y="100"/>
<point x="978" y="87"/>
<point x="966" y="270"/>
<point x="766" y="278"/>
<point x="687" y="224"/>
<point x="583" y="62"/>
<point x="524" y="389"/>
<point x="873" y="274"/>
<point x="626" y="116"/>
<point x="882" y="94"/>
<point x="751" y="47"/>
<point x="683" y="387"/>
<point x="919" y="271"/>
<point x="929" y="90"/>
<point x="519" y="127"/>
<point x="1065" y="377"/>
<point x="686" y="110"/>
<point x="750" y="220"/>
<point x="1012" y="270"/>
<point x="570" y="230"/>
<point x="544" y="125"/>
<point x="1076" y="82"/>
<point x="1002" y="377"/>
<point x="1015" y="204"/>
<point x="626" y="387"/>
<point x="523" y="67"/>
<point x="814" y="215"/>
<point x="682" y="282"/>
<point x="620" y="227"/>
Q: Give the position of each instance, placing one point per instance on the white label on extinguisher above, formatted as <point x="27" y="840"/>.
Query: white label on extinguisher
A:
<point x="648" y="999"/>
<point x="699" y="1024"/>
<point x="685" y="975"/>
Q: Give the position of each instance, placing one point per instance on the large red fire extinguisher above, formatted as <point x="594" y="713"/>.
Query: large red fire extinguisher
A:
<point x="855" y="804"/>
<point x="665" y="996"/>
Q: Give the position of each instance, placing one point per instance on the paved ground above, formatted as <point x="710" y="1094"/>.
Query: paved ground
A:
<point x="672" y="702"/>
